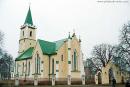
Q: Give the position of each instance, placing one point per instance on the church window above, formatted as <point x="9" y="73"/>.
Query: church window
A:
<point x="52" y="66"/>
<point x="62" y="58"/>
<point x="42" y="62"/>
<point x="37" y="64"/>
<point x="57" y="62"/>
<point x="23" y="68"/>
<point x="17" y="68"/>
<point x="57" y="70"/>
<point x="30" y="33"/>
<point x="23" y="33"/>
<point x="72" y="62"/>
<point x="29" y="68"/>
<point x="75" y="60"/>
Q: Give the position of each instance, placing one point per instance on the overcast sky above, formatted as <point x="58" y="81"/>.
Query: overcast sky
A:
<point x="95" y="22"/>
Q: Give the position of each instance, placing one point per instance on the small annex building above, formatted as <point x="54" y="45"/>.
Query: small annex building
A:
<point x="109" y="72"/>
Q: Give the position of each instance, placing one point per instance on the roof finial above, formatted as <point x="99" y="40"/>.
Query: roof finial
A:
<point x="73" y="33"/>
<point x="79" y="39"/>
<point x="69" y="35"/>
<point x="73" y="30"/>
<point x="29" y="4"/>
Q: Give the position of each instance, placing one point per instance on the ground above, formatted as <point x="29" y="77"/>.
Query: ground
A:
<point x="69" y="86"/>
<point x="10" y="83"/>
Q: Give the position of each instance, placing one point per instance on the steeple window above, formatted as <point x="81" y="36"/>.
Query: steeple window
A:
<point x="30" y="33"/>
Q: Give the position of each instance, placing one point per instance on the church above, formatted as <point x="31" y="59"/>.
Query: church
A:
<point x="41" y="59"/>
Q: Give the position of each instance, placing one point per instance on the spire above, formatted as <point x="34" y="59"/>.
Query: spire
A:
<point x="73" y="33"/>
<point x="28" y="19"/>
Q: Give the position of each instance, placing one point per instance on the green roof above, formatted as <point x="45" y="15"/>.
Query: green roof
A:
<point x="28" y="19"/>
<point x="47" y="47"/>
<point x="50" y="48"/>
<point x="25" y="55"/>
<point x="59" y="43"/>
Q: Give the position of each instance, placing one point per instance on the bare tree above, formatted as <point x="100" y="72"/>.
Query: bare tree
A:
<point x="1" y="38"/>
<point x="102" y="54"/>
<point x="6" y="60"/>
<point x="123" y="49"/>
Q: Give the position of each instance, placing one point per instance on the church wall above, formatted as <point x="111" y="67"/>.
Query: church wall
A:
<point x="24" y="44"/>
<point x="23" y="70"/>
<point x="63" y="64"/>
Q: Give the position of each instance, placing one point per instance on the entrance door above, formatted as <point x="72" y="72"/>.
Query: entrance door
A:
<point x="99" y="78"/>
<point x="111" y="76"/>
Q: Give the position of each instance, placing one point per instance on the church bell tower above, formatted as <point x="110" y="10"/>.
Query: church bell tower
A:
<point x="27" y="34"/>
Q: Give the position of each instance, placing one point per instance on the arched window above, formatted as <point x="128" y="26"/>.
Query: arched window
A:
<point x="62" y="58"/>
<point x="75" y="60"/>
<point x="17" y="67"/>
<point x="29" y="68"/>
<point x="23" y="69"/>
<point x="37" y="64"/>
<point x="23" y="33"/>
<point x="30" y="33"/>
<point x="72" y="63"/>
<point x="52" y="66"/>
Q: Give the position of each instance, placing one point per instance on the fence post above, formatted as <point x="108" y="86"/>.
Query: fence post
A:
<point x="35" y="80"/>
<point x="53" y="80"/>
<point x="83" y="79"/>
<point x="69" y="79"/>
<point x="16" y="80"/>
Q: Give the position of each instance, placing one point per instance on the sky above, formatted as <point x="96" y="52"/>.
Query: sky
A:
<point x="95" y="22"/>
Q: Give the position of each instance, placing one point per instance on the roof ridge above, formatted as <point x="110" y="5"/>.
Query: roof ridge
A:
<point x="46" y="40"/>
